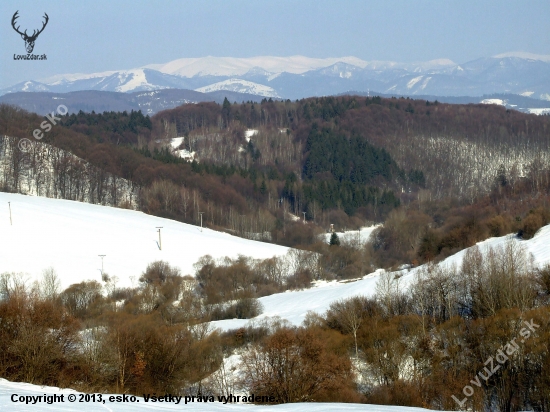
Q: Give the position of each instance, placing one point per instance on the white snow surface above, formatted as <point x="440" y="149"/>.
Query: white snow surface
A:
<point x="9" y="389"/>
<point x="176" y="142"/>
<point x="233" y="66"/>
<point x="360" y="236"/>
<point x="240" y="86"/>
<point x="539" y="111"/>
<point x="183" y="153"/>
<point x="137" y="79"/>
<point x="412" y="82"/>
<point x="494" y="101"/>
<point x="71" y="77"/>
<point x="249" y="133"/>
<point x="128" y="79"/>
<point x="69" y="236"/>
<point x="293" y="306"/>
<point x="272" y="66"/>
<point x="28" y="85"/>
<point x="525" y="55"/>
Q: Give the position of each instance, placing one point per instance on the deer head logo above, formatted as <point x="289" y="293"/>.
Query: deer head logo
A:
<point x="29" y="40"/>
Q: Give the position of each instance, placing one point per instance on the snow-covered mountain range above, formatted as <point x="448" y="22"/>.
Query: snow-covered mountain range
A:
<point x="298" y="76"/>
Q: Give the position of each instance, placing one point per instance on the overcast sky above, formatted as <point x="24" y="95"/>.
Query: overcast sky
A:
<point x="90" y="36"/>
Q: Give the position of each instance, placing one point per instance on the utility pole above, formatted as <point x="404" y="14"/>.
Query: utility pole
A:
<point x="102" y="256"/>
<point x="304" y="213"/>
<point x="9" y="205"/>
<point x="200" y="213"/>
<point x="242" y="224"/>
<point x="160" y="240"/>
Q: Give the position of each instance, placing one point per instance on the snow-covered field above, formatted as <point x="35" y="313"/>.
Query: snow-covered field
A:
<point x="69" y="236"/>
<point x="19" y="391"/>
<point x="294" y="305"/>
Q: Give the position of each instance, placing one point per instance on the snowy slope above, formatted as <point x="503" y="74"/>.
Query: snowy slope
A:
<point x="293" y="306"/>
<point x="69" y="236"/>
<point x="233" y="66"/>
<point x="9" y="389"/>
<point x="525" y="55"/>
<point x="240" y="86"/>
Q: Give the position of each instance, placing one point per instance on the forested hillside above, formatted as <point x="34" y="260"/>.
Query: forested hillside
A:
<point x="445" y="175"/>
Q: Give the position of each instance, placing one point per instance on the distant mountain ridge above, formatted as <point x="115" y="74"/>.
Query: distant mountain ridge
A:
<point x="298" y="77"/>
<point x="149" y="102"/>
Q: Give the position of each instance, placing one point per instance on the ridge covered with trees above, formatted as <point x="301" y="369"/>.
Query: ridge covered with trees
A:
<point x="451" y="175"/>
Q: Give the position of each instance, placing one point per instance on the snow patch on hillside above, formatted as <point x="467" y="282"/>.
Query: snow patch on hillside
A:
<point x="176" y="142"/>
<point x="524" y="55"/>
<point x="249" y="133"/>
<point x="71" y="77"/>
<point x="294" y="305"/>
<point x="359" y="237"/>
<point x="31" y="86"/>
<point x="240" y="86"/>
<point x="183" y="153"/>
<point x="132" y="79"/>
<point x="539" y="111"/>
<point x="425" y="82"/>
<point x="494" y="101"/>
<point x="412" y="82"/>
